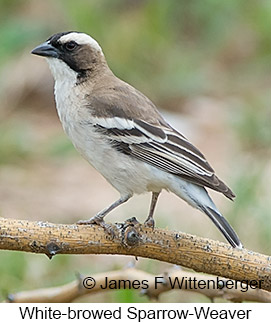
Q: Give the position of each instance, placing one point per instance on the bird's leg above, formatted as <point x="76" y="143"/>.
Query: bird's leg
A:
<point x="150" y="221"/>
<point x="99" y="217"/>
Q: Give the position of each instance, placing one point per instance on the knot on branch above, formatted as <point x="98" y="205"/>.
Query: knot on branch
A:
<point x="52" y="248"/>
<point x="130" y="236"/>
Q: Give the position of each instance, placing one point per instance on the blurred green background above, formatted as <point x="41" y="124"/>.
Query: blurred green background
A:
<point x="206" y="65"/>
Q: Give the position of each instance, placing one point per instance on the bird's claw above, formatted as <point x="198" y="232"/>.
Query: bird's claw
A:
<point x="98" y="221"/>
<point x="86" y="222"/>
<point x="149" y="223"/>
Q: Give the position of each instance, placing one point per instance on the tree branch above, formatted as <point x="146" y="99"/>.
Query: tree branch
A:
<point x="132" y="238"/>
<point x="71" y="291"/>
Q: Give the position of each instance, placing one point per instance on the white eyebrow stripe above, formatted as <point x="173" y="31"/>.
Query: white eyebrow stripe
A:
<point x="81" y="39"/>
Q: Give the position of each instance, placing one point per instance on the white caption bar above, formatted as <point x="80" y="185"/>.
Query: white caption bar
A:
<point x="138" y="312"/>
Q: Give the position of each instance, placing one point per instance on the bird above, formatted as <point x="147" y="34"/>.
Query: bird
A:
<point x="121" y="133"/>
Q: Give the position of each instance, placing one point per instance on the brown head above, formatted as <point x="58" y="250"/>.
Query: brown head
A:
<point x="80" y="52"/>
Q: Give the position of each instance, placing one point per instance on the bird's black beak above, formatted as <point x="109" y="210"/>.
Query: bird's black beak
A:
<point x="46" y="49"/>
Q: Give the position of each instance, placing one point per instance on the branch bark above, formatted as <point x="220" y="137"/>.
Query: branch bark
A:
<point x="132" y="238"/>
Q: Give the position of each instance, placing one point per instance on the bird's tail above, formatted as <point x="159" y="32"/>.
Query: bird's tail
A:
<point x="223" y="225"/>
<point x="199" y="198"/>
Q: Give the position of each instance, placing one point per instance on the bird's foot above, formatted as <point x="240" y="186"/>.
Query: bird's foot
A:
<point x="98" y="221"/>
<point x="94" y="220"/>
<point x="149" y="223"/>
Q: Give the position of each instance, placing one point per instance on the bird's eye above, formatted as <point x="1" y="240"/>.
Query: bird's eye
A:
<point x="70" y="46"/>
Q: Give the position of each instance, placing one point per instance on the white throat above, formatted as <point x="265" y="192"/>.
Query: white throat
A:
<point x="65" y="90"/>
<point x="61" y="71"/>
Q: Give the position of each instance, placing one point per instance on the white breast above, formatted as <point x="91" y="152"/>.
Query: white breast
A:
<point x="127" y="175"/>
